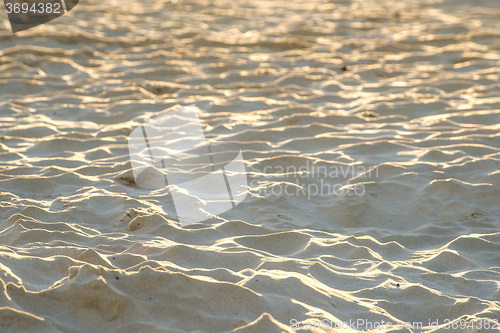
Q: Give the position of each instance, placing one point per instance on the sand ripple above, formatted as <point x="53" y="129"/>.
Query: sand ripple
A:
<point x="406" y="90"/>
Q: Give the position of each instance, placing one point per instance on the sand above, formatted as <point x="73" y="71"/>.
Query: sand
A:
<point x="394" y="104"/>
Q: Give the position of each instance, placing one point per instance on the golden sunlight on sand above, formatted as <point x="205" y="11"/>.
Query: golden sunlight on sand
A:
<point x="370" y="152"/>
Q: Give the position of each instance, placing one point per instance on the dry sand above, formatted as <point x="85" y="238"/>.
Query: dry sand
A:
<point x="407" y="89"/>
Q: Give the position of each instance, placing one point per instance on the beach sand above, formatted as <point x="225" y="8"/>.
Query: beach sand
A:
<point x="394" y="104"/>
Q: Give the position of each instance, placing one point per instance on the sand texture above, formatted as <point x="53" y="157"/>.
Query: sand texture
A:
<point x="397" y="100"/>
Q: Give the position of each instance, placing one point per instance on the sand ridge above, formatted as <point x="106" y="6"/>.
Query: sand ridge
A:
<point x="407" y="92"/>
